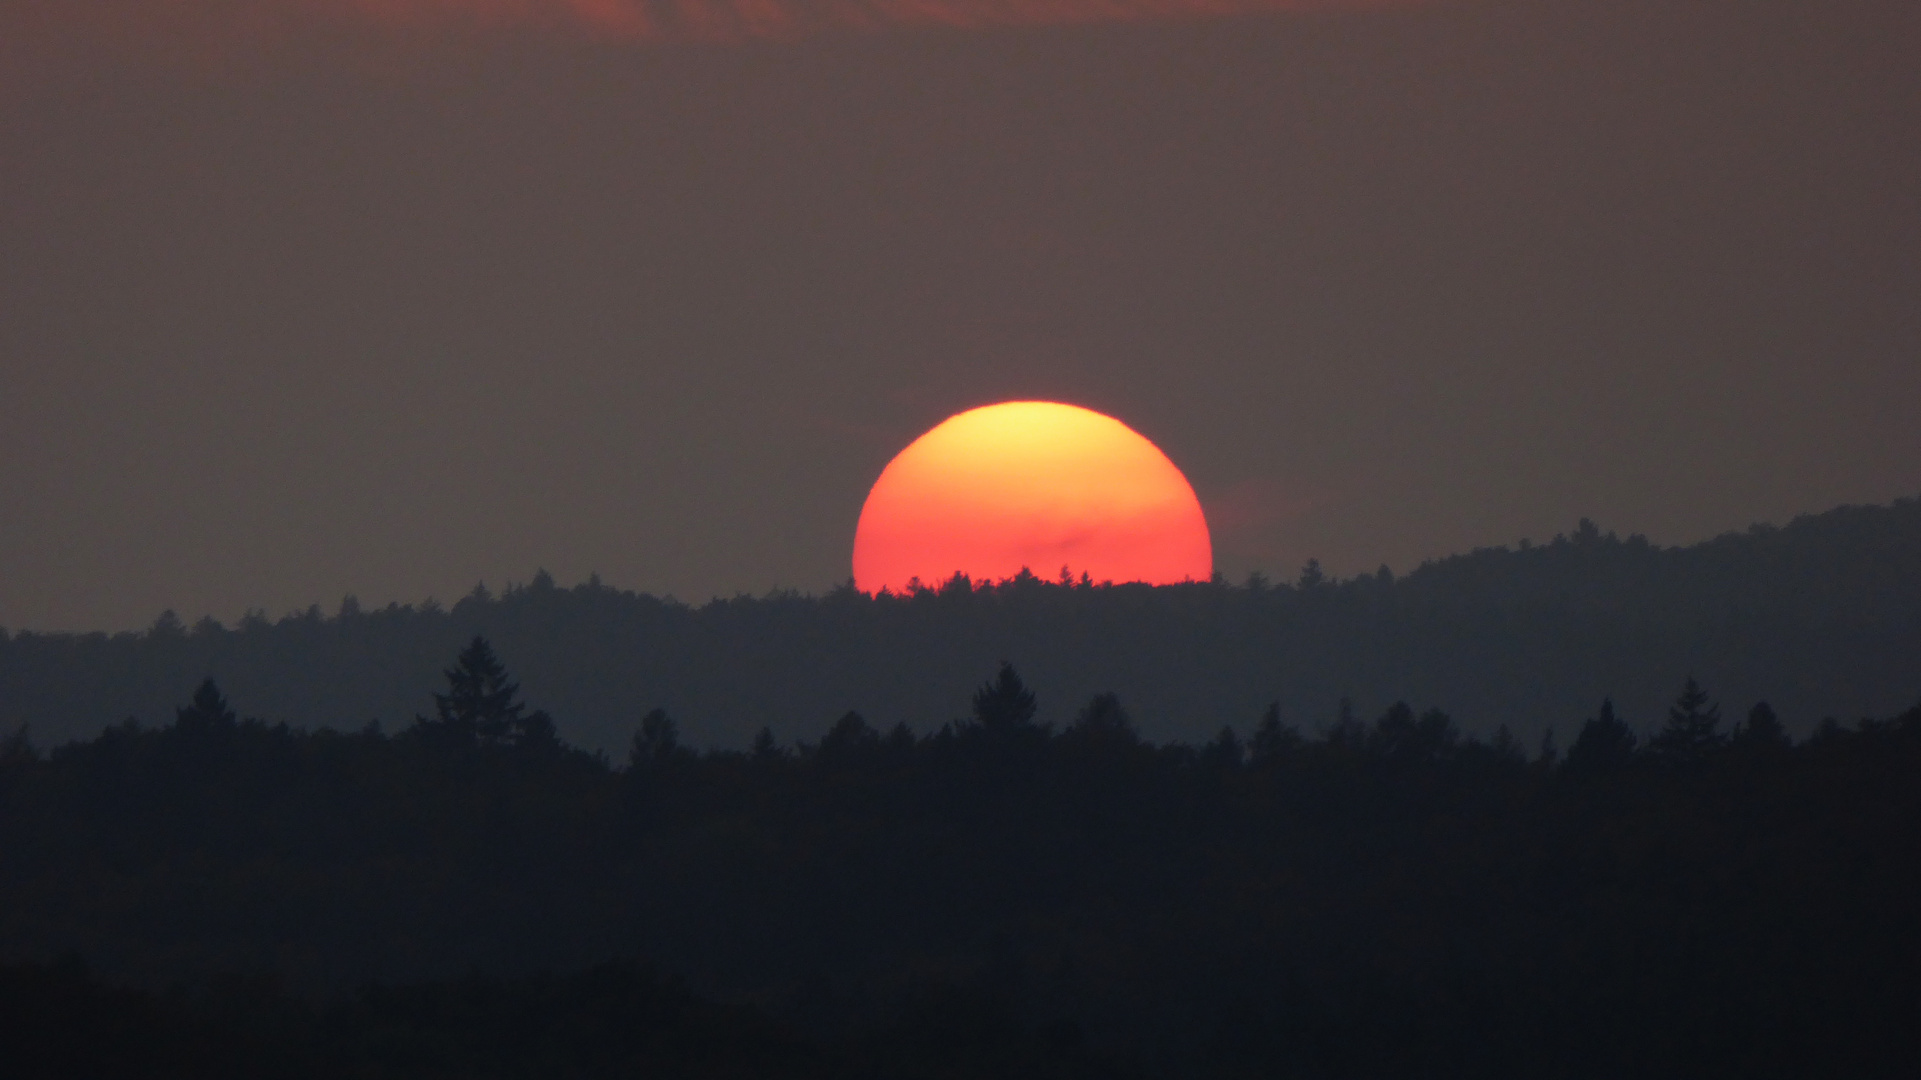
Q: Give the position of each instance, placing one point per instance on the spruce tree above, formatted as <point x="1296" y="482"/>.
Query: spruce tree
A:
<point x="656" y="743"/>
<point x="1692" y="731"/>
<point x="208" y="711"/>
<point x="481" y="703"/>
<point x="1762" y="731"/>
<point x="1226" y="752"/>
<point x="1005" y="704"/>
<point x="1273" y="739"/>
<point x="765" y="748"/>
<point x="1102" y="721"/>
<point x="848" y="739"/>
<point x="1604" y="745"/>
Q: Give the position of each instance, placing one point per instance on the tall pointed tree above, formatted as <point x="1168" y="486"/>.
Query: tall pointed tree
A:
<point x="765" y="748"/>
<point x="1005" y="704"/>
<point x="481" y="703"/>
<point x="208" y="711"/>
<point x="1226" y="753"/>
<point x="1102" y="721"/>
<point x="1762" y="731"/>
<point x="849" y="739"/>
<point x="1604" y="745"/>
<point x="1692" y="731"/>
<point x="656" y="743"/>
<point x="1273" y="740"/>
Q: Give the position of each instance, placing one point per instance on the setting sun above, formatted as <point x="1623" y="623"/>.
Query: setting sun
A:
<point x="1035" y="485"/>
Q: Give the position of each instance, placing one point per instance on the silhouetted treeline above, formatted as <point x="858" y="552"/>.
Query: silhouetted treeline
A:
<point x="1382" y="897"/>
<point x="614" y="1020"/>
<point x="1821" y="617"/>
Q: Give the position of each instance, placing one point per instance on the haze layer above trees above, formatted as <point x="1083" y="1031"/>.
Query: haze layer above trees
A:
<point x="1820" y="618"/>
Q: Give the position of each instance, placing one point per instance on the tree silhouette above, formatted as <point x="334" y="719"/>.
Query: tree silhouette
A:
<point x="536" y="733"/>
<point x="1505" y="743"/>
<point x="1312" y="576"/>
<point x="1762" y="730"/>
<point x="16" y="749"/>
<point x="1102" y="721"/>
<point x="481" y="703"/>
<point x="207" y="712"/>
<point x="656" y="743"/>
<point x="1347" y="732"/>
<point x="1030" y="865"/>
<point x="1225" y="752"/>
<point x="1605" y="744"/>
<point x="1004" y="704"/>
<point x="1691" y="732"/>
<point x="765" y="748"/>
<point x="1272" y="739"/>
<point x="848" y="739"/>
<point x="1399" y="736"/>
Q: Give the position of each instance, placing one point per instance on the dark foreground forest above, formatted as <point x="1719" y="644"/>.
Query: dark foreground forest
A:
<point x="471" y="897"/>
<point x="1822" y="617"/>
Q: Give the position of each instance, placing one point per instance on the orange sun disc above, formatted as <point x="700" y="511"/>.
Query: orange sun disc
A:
<point x="1030" y="485"/>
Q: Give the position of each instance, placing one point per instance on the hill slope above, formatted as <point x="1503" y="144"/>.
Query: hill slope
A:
<point x="1819" y="617"/>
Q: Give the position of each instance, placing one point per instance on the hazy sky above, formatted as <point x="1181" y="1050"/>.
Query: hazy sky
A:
<point x="306" y="298"/>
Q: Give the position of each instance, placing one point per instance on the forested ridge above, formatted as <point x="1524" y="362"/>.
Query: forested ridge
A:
<point x="1822" y="617"/>
<point x="1002" y="896"/>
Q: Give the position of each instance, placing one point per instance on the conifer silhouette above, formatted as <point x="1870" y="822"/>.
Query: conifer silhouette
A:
<point x="1691" y="732"/>
<point x="208" y="711"/>
<point x="849" y="738"/>
<point x="765" y="748"/>
<point x="1103" y="720"/>
<point x="1225" y="752"/>
<point x="1273" y="739"/>
<point x="1762" y="730"/>
<point x="1005" y="704"/>
<point x="657" y="742"/>
<point x="1604" y="745"/>
<point x="481" y="703"/>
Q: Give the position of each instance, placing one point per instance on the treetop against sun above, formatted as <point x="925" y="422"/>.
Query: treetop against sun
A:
<point x="1032" y="485"/>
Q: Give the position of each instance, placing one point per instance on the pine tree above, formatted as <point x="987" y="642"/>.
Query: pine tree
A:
<point x="1004" y="704"/>
<point x="1225" y="753"/>
<point x="1691" y="733"/>
<point x="1273" y="740"/>
<point x="656" y="743"/>
<point x="848" y="739"/>
<point x="765" y="748"/>
<point x="17" y="751"/>
<point x="209" y="710"/>
<point x="1400" y="736"/>
<point x="536" y="733"/>
<point x="481" y="703"/>
<point x="1550" y="752"/>
<point x="1604" y="745"/>
<point x="900" y="739"/>
<point x="1347" y="732"/>
<point x="1312" y="576"/>
<point x="1762" y="730"/>
<point x="1101" y="721"/>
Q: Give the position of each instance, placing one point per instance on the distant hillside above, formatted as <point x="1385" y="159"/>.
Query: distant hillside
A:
<point x="1821" y="617"/>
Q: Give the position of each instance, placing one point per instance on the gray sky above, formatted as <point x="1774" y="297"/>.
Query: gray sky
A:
<point x="387" y="307"/>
